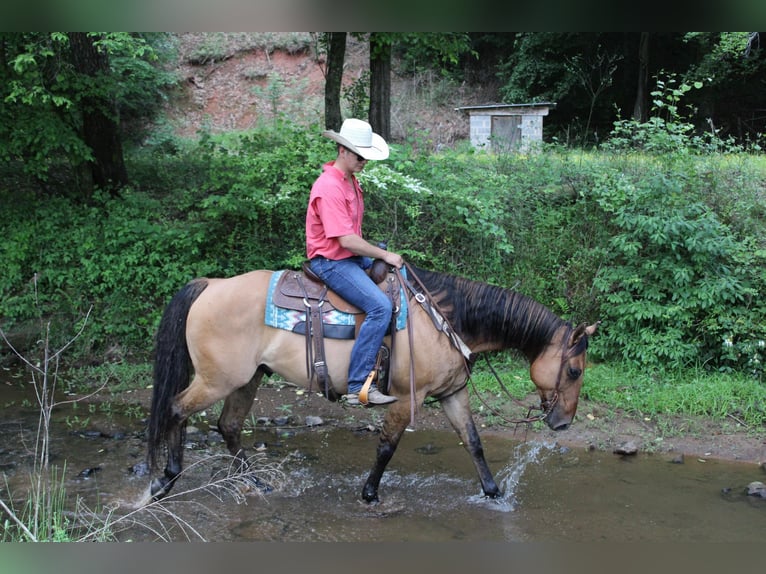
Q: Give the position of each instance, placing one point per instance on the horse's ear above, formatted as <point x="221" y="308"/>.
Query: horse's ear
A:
<point x="583" y="330"/>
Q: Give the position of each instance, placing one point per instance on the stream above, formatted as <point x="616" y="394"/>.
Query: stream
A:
<point x="430" y="491"/>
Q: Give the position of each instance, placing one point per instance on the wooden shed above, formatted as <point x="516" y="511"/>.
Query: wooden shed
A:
<point x="507" y="127"/>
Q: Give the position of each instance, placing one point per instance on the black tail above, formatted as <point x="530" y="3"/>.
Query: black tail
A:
<point x="172" y="366"/>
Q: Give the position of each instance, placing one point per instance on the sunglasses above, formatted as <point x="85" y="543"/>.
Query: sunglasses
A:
<point x="358" y="157"/>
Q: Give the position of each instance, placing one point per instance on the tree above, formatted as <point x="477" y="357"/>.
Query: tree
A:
<point x="732" y="66"/>
<point x="641" y="107"/>
<point x="595" y="75"/>
<point x="434" y="47"/>
<point x="380" y="83"/>
<point x="336" y="54"/>
<point x="98" y="107"/>
<point x="60" y="101"/>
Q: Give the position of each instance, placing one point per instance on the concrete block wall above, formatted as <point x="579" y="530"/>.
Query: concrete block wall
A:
<point x="481" y="130"/>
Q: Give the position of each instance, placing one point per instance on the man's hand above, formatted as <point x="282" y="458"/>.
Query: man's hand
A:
<point x="393" y="259"/>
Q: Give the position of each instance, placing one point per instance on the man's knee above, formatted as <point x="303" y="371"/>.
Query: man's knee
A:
<point x="382" y="308"/>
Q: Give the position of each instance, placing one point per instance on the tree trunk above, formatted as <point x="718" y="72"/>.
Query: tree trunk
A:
<point x="100" y="128"/>
<point x="640" y="111"/>
<point x="380" y="86"/>
<point x="336" y="55"/>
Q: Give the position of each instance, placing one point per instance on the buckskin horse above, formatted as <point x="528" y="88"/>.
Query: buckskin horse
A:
<point x="213" y="344"/>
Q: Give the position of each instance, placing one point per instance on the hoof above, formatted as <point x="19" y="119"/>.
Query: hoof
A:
<point x="159" y="488"/>
<point x="370" y="495"/>
<point x="260" y="485"/>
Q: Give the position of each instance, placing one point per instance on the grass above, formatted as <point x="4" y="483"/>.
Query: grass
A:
<point x="692" y="392"/>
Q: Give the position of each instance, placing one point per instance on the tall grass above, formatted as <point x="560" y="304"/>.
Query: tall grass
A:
<point x="695" y="392"/>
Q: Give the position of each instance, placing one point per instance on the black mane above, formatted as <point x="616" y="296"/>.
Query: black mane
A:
<point x="480" y="312"/>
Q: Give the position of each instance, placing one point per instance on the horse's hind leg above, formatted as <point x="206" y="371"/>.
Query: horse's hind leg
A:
<point x="458" y="411"/>
<point x="200" y="394"/>
<point x="235" y="409"/>
<point x="175" y="437"/>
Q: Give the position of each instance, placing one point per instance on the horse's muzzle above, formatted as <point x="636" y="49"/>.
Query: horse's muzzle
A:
<point x="556" y="421"/>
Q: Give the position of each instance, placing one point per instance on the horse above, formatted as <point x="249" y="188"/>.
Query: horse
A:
<point x="213" y="344"/>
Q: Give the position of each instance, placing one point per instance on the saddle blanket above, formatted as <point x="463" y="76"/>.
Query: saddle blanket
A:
<point x="292" y="320"/>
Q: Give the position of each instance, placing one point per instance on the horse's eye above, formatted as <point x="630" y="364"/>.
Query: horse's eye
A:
<point x="574" y="373"/>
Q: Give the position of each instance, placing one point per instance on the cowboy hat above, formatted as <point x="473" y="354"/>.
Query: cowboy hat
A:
<point x="357" y="135"/>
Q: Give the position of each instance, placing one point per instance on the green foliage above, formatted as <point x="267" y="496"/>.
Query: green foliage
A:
<point x="357" y="97"/>
<point x="219" y="46"/>
<point x="429" y="48"/>
<point x="424" y="225"/>
<point x="258" y="188"/>
<point x="667" y="250"/>
<point x="671" y="267"/>
<point x="531" y="74"/>
<point x="730" y="64"/>
<point x="682" y="273"/>
<point x="667" y="131"/>
<point x="42" y="98"/>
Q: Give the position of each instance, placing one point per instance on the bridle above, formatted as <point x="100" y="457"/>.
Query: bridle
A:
<point x="546" y="406"/>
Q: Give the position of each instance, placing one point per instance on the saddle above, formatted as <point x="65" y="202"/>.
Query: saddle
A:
<point x="305" y="291"/>
<point x="295" y="287"/>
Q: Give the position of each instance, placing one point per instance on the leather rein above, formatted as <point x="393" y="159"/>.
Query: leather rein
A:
<point x="442" y="324"/>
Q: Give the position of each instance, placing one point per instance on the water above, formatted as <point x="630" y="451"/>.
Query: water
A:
<point x="429" y="493"/>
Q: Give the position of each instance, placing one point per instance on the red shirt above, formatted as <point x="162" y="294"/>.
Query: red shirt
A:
<point x="336" y="208"/>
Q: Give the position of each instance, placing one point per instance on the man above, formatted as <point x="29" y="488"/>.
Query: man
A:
<point x="340" y="255"/>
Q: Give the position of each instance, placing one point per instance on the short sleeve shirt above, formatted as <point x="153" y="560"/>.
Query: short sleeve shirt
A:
<point x="336" y="208"/>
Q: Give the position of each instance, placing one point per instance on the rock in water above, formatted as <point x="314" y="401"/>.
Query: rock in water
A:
<point x="756" y="488"/>
<point x="626" y="448"/>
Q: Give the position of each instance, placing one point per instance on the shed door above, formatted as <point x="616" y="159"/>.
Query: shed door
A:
<point x="506" y="133"/>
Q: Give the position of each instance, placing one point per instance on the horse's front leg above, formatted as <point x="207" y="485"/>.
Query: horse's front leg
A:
<point x="458" y="411"/>
<point x="397" y="419"/>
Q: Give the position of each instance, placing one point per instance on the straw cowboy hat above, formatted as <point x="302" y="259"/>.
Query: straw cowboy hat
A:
<point x="357" y="135"/>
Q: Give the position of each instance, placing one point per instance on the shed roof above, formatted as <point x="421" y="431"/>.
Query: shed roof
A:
<point x="506" y="106"/>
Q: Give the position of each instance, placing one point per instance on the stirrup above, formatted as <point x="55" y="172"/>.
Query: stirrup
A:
<point x="363" y="394"/>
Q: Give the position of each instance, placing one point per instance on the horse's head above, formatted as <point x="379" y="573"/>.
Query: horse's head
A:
<point x="558" y="374"/>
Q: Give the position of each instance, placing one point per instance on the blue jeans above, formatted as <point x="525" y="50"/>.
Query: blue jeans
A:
<point x="348" y="279"/>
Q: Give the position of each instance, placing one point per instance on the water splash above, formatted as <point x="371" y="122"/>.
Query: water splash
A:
<point x="509" y="477"/>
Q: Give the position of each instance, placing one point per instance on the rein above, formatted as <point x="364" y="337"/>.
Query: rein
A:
<point x="442" y="324"/>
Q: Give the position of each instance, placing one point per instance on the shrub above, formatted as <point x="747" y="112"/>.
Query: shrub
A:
<point x="667" y="250"/>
